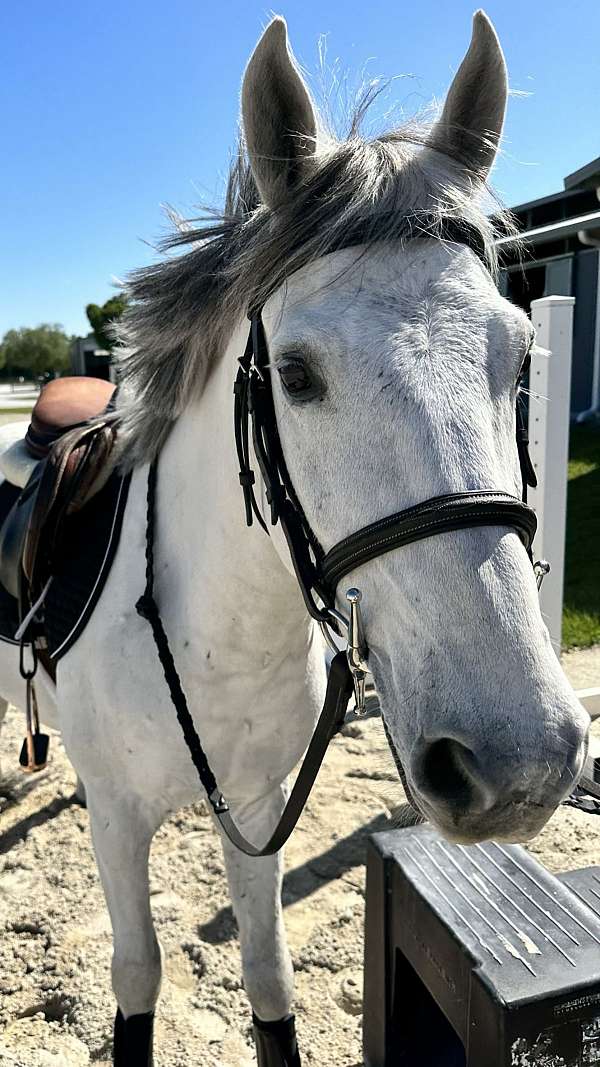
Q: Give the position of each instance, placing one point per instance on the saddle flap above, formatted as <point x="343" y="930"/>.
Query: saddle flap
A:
<point x="74" y="471"/>
<point x="13" y="535"/>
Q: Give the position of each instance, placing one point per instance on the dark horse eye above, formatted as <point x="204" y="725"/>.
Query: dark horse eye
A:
<point x="296" y="377"/>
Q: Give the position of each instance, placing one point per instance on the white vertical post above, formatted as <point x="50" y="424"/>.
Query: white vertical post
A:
<point x="549" y="416"/>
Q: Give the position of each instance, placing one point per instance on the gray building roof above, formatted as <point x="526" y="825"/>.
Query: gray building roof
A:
<point x="587" y="177"/>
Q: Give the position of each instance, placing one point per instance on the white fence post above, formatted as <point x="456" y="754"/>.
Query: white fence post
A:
<point x="549" y="416"/>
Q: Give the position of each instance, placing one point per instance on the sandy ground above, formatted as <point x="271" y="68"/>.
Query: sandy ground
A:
<point x="56" y="1005"/>
<point x="13" y="416"/>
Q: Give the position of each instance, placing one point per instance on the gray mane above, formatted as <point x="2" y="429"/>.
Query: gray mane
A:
<point x="183" y="310"/>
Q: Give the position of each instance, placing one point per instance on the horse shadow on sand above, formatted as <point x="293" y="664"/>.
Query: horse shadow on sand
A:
<point x="302" y="881"/>
<point x="11" y="795"/>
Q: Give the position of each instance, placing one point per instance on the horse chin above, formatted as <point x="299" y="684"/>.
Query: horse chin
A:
<point x="513" y="824"/>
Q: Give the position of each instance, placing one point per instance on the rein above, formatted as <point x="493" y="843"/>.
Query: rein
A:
<point x="318" y="573"/>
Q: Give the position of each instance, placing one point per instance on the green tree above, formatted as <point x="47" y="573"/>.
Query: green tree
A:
<point x="39" y="350"/>
<point x="101" y="319"/>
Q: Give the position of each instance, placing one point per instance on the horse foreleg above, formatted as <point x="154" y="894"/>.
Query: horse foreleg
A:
<point x="255" y="888"/>
<point x="122" y="836"/>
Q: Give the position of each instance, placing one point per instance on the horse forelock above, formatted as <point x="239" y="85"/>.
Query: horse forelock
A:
<point x="183" y="309"/>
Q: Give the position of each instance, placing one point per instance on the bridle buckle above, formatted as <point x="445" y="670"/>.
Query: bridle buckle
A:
<point x="357" y="651"/>
<point x="540" y="569"/>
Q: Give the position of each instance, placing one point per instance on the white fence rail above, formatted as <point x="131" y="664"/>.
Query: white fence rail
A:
<point x="549" y="416"/>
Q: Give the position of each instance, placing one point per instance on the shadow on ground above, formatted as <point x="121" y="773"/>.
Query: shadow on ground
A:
<point x="19" y="831"/>
<point x="306" y="879"/>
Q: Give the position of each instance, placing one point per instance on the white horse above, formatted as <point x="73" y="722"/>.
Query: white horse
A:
<point x="411" y="359"/>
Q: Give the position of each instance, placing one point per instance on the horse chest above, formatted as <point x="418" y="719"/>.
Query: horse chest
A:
<point x="243" y="716"/>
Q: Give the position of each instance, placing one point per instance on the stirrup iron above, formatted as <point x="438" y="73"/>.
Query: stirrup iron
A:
<point x="34" y="752"/>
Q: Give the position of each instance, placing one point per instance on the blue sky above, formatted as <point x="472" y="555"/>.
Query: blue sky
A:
<point x="111" y="110"/>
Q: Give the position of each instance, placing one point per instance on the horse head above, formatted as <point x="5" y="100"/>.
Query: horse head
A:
<point x="395" y="366"/>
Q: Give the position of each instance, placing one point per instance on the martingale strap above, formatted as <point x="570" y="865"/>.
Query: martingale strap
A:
<point x="339" y="689"/>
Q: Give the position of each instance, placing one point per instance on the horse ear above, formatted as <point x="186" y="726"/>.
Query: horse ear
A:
<point x="279" y="122"/>
<point x="471" y="123"/>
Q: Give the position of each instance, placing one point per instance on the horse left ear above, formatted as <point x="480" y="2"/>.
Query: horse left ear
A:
<point x="279" y="121"/>
<point x="471" y="123"/>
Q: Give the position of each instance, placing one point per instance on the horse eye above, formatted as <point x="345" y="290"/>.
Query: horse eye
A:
<point x="296" y="377"/>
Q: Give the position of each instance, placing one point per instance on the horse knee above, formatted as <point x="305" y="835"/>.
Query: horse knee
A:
<point x="136" y="980"/>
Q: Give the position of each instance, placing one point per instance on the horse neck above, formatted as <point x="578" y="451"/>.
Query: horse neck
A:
<point x="214" y="567"/>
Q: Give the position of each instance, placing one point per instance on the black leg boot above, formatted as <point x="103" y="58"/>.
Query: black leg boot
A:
<point x="133" y="1040"/>
<point x="276" y="1044"/>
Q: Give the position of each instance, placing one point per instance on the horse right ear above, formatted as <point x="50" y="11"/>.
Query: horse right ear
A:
<point x="471" y="123"/>
<point x="279" y="122"/>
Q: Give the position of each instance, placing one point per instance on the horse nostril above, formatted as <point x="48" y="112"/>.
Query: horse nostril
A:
<point x="447" y="772"/>
<point x="463" y="780"/>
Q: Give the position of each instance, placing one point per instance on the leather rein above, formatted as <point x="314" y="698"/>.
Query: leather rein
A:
<point x="319" y="572"/>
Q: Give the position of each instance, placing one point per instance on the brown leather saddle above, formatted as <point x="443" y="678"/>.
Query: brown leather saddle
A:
<point x="73" y="456"/>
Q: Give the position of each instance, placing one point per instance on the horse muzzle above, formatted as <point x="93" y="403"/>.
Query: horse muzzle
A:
<point x="475" y="795"/>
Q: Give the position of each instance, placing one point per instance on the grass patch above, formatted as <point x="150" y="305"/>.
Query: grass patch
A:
<point x="581" y="608"/>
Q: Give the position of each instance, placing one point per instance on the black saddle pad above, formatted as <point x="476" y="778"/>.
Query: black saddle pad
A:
<point x="91" y="538"/>
<point x="9" y="611"/>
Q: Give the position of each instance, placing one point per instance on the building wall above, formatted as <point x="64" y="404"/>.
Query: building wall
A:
<point x="88" y="360"/>
<point x="585" y="290"/>
<point x="573" y="274"/>
<point x="559" y="264"/>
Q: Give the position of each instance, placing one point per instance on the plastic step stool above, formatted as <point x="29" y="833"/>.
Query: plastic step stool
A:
<point x="478" y="957"/>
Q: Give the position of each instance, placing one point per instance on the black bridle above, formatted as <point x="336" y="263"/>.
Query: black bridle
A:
<point x="319" y="572"/>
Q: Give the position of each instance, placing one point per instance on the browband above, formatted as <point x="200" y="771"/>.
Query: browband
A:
<point x="413" y="227"/>
<point x="386" y="226"/>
